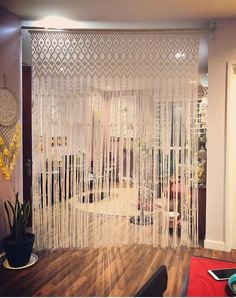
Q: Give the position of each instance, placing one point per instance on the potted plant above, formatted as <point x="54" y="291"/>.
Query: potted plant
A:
<point x="19" y="244"/>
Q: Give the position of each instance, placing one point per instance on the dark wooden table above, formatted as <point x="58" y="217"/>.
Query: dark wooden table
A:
<point x="83" y="272"/>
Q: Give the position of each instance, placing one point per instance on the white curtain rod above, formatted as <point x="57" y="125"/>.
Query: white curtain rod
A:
<point x="43" y="29"/>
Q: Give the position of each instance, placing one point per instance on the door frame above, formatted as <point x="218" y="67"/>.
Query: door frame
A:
<point x="230" y="158"/>
<point x="27" y="135"/>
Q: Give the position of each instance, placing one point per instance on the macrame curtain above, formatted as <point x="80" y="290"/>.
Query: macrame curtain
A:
<point x="114" y="138"/>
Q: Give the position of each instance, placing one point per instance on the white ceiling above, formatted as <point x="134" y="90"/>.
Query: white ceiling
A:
<point x="124" y="10"/>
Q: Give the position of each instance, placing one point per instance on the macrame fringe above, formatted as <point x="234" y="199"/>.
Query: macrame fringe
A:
<point x="114" y="139"/>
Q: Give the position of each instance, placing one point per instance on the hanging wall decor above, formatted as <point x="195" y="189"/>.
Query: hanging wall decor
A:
<point x="8" y="154"/>
<point x="114" y="138"/>
<point x="8" y="104"/>
<point x="9" y="131"/>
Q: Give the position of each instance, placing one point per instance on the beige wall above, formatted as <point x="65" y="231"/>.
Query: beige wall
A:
<point x="222" y="48"/>
<point x="10" y="64"/>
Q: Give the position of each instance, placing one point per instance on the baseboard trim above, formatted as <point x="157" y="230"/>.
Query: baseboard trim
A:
<point x="218" y="245"/>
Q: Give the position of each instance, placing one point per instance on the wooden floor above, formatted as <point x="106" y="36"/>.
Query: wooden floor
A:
<point x="101" y="272"/>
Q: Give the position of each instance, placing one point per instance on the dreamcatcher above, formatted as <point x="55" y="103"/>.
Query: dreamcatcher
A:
<point x="9" y="131"/>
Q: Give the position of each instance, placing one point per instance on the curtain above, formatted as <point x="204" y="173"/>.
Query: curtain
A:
<point x="115" y="138"/>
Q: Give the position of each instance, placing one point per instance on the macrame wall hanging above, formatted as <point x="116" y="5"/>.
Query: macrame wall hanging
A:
<point x="9" y="131"/>
<point x="114" y="138"/>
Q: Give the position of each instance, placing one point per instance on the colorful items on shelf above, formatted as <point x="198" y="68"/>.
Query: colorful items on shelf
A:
<point x="202" y="161"/>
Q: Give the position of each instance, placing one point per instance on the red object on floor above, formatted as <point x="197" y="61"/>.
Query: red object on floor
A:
<point x="201" y="283"/>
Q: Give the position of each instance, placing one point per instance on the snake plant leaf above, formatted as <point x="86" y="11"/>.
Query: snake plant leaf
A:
<point x="8" y="215"/>
<point x="20" y="213"/>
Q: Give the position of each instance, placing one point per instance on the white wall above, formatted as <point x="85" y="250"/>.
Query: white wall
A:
<point x="222" y="48"/>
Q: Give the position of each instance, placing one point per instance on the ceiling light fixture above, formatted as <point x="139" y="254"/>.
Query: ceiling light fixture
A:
<point x="58" y="22"/>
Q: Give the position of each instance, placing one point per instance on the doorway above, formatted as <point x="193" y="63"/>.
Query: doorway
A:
<point x="27" y="135"/>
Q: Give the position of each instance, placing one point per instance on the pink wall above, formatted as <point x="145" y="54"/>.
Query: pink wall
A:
<point x="222" y="49"/>
<point x="10" y="64"/>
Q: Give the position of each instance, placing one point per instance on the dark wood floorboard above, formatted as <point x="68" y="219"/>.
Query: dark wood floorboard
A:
<point x="107" y="271"/>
